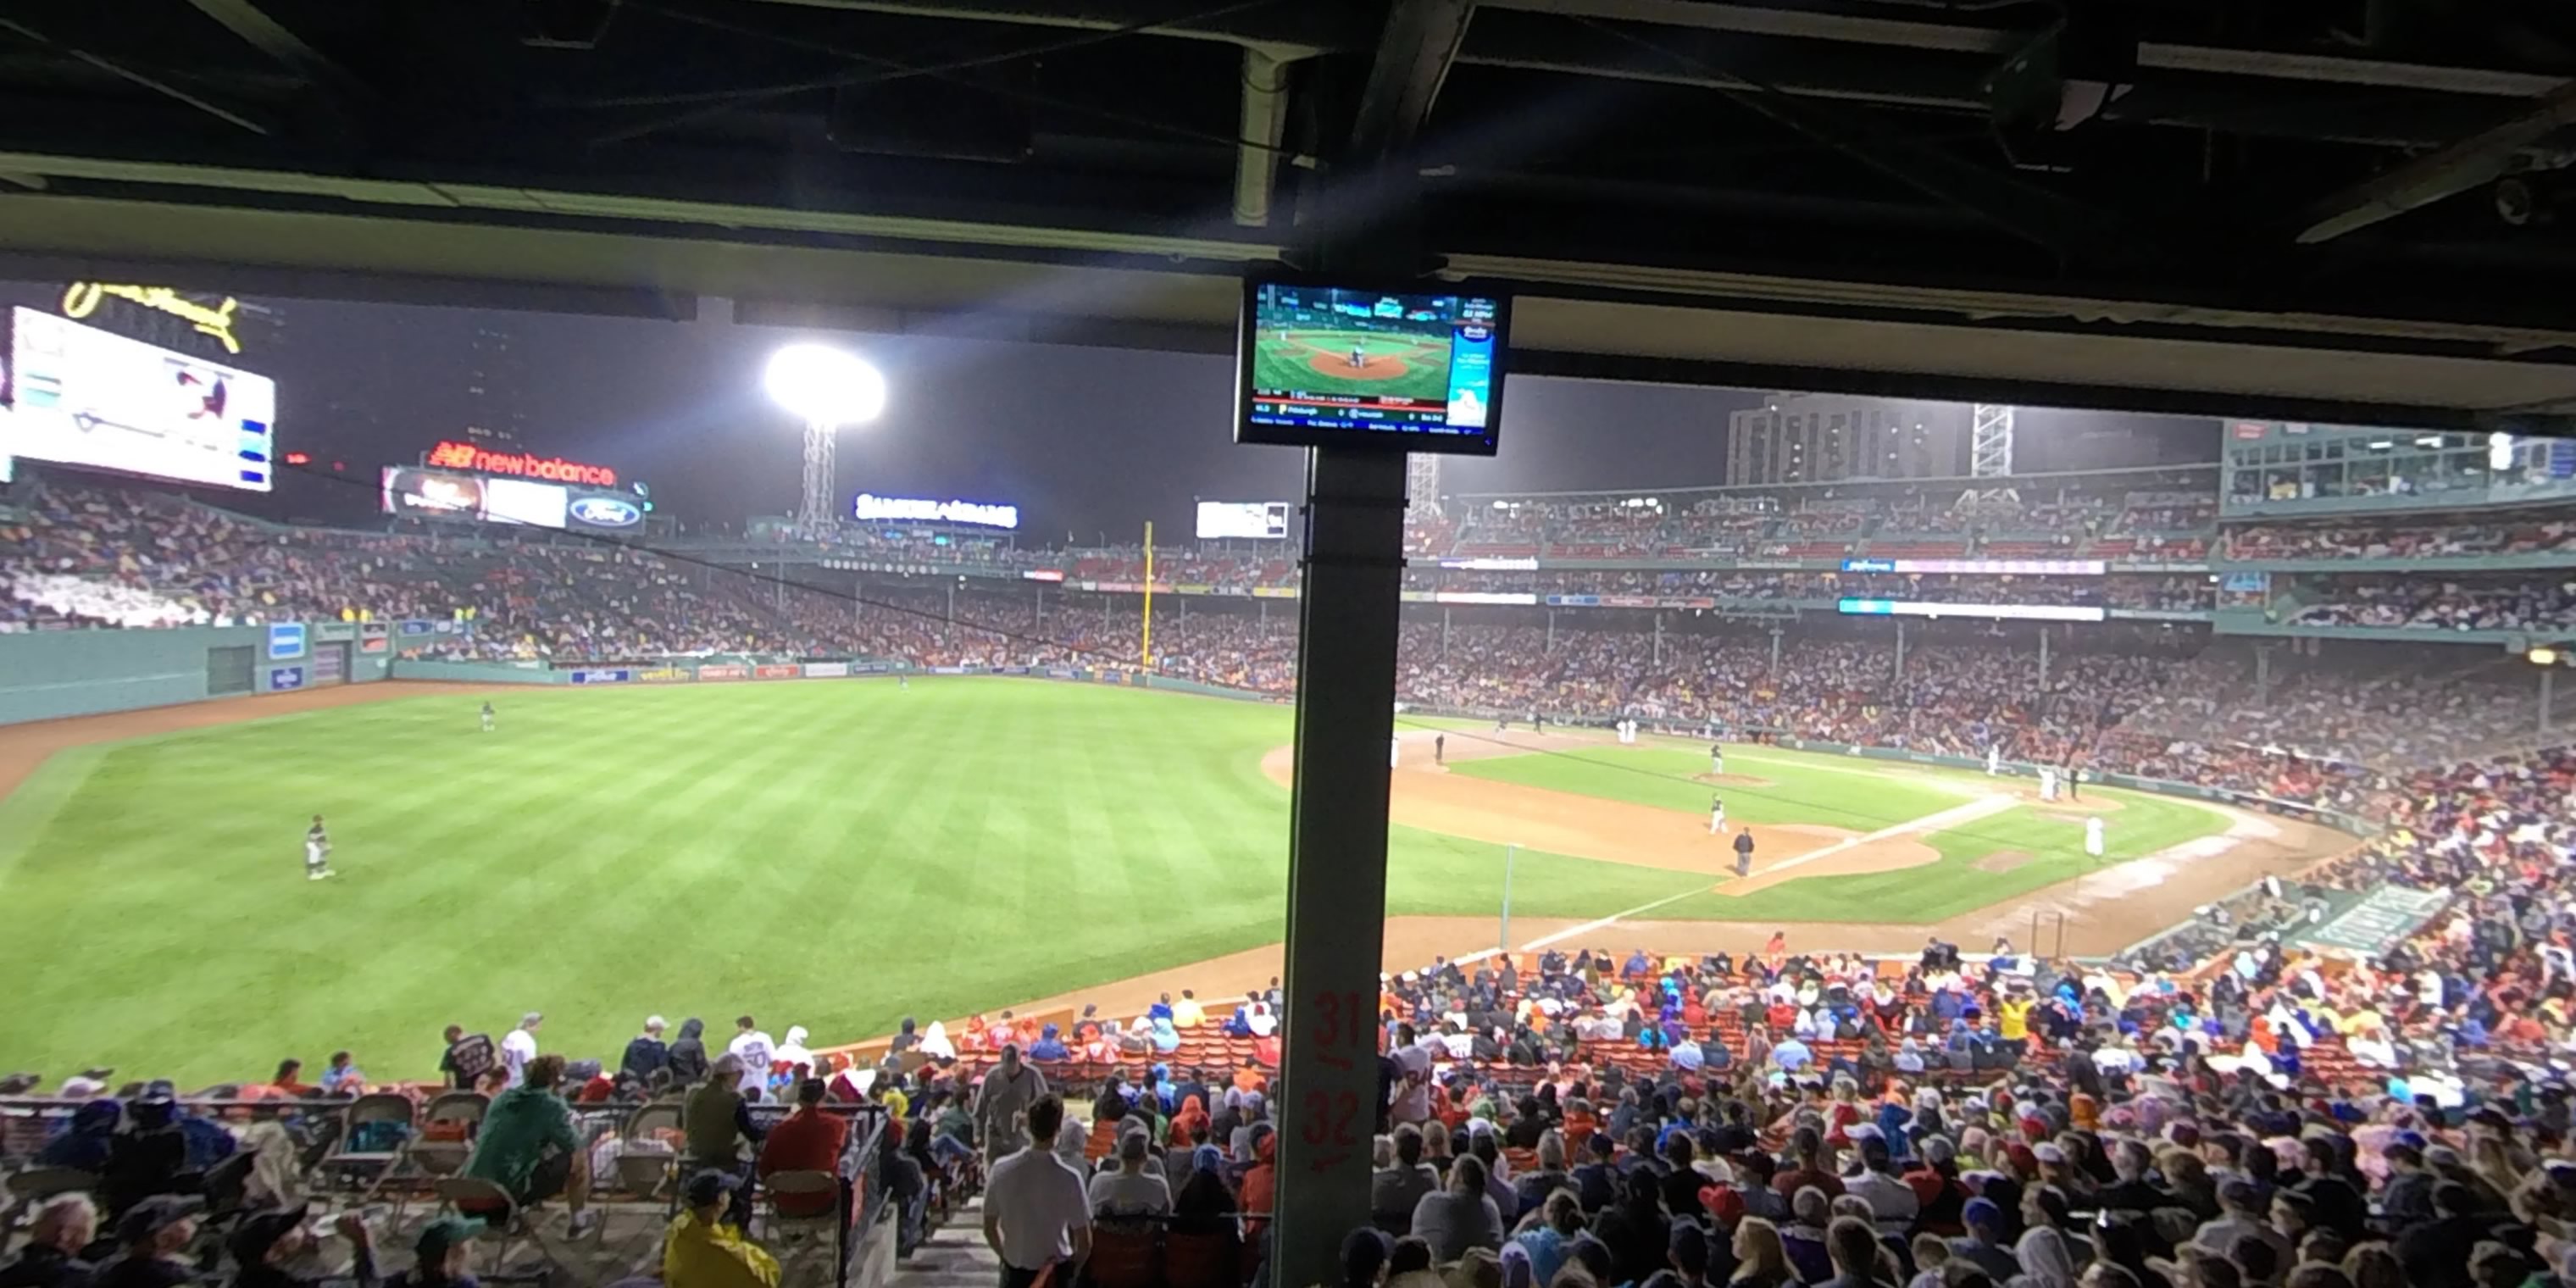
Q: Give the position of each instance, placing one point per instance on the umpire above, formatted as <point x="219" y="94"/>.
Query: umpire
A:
<point x="1744" y="852"/>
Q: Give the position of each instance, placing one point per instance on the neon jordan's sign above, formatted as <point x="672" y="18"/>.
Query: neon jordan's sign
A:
<point x="81" y="299"/>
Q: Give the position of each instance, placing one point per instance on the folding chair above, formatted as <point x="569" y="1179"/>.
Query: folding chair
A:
<point x="789" y="1234"/>
<point x="646" y="1162"/>
<point x="504" y="1221"/>
<point x="375" y="1131"/>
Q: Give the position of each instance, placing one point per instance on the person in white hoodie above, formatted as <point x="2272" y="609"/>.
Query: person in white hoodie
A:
<point x="793" y="1052"/>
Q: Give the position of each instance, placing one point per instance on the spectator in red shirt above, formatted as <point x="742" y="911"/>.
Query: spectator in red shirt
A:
<point x="808" y="1140"/>
<point x="1807" y="1148"/>
<point x="290" y="1078"/>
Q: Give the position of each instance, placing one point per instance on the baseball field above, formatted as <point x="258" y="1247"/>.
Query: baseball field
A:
<point x="838" y="854"/>
<point x="1392" y="364"/>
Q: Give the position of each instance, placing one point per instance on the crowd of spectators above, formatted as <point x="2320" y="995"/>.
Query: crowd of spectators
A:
<point x="2399" y="540"/>
<point x="2488" y="602"/>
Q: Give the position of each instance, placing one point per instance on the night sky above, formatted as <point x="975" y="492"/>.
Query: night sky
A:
<point x="1085" y="441"/>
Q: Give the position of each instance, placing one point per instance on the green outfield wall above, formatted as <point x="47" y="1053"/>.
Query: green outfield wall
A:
<point x="46" y="675"/>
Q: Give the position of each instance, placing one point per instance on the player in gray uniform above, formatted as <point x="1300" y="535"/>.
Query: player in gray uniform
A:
<point x="487" y="717"/>
<point x="317" y="851"/>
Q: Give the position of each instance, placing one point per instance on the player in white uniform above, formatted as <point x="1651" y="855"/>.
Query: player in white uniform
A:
<point x="487" y="717"/>
<point x="317" y="851"/>
<point x="2093" y="836"/>
<point x="1716" y="815"/>
<point x="1994" y="758"/>
<point x="1359" y="355"/>
<point x="1394" y="748"/>
<point x="1716" y="759"/>
<point x="2047" y="783"/>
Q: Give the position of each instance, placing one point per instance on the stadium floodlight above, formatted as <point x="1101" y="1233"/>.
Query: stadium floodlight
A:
<point x="824" y="385"/>
<point x="826" y="388"/>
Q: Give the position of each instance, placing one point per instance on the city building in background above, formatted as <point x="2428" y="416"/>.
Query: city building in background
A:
<point x="1825" y="438"/>
<point x="496" y="382"/>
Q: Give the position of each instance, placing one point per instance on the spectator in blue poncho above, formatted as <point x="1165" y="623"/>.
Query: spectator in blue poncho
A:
<point x="84" y="1145"/>
<point x="1049" y="1046"/>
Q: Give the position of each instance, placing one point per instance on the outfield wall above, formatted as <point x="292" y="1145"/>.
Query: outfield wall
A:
<point x="46" y="675"/>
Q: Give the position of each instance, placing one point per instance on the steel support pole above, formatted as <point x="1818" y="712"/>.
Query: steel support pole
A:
<point x="1775" y="650"/>
<point x="1899" y="673"/>
<point x="1354" y="571"/>
<point x="1551" y="630"/>
<point x="2043" y="658"/>
<point x="2548" y="686"/>
<point x="1444" y="635"/>
<point x="1659" y="639"/>
<point x="1510" y="853"/>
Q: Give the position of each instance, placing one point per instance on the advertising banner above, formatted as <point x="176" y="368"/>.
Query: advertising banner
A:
<point x="285" y="677"/>
<point x="516" y="501"/>
<point x="664" y="675"/>
<point x="604" y="511"/>
<point x="602" y="675"/>
<point x="416" y="628"/>
<point x="826" y="670"/>
<point x="285" y="640"/>
<point x="1042" y="574"/>
<point x="414" y="493"/>
<point x="1630" y="601"/>
<point x="1116" y="587"/>
<point x="374" y="644"/>
<point x="1274" y="592"/>
<point x="777" y="671"/>
<point x="2380" y="922"/>
<point x="724" y="671"/>
<point x="1254" y="520"/>
<point x="335" y="630"/>
<point x="1193" y="588"/>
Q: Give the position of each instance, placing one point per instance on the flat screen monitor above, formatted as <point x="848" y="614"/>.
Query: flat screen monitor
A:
<point x="1412" y="369"/>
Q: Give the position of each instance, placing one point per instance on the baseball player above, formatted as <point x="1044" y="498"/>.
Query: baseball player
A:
<point x="1994" y="758"/>
<point x="317" y="851"/>
<point x="1439" y="749"/>
<point x="1716" y="815"/>
<point x="1394" y="749"/>
<point x="1744" y="852"/>
<point x="2074" y="783"/>
<point x="2093" y="836"/>
<point x="487" y="717"/>
<point x="1716" y="758"/>
<point x="1359" y="355"/>
<point x="2047" y="783"/>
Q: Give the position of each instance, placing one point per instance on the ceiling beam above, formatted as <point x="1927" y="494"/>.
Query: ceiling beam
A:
<point x="244" y="18"/>
<point x="1413" y="59"/>
<point x="2480" y="158"/>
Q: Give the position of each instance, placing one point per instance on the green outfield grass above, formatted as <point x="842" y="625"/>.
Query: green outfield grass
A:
<point x="1280" y="361"/>
<point x="829" y="854"/>
<point x="832" y="854"/>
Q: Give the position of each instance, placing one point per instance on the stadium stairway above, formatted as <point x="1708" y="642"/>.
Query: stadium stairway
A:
<point x="952" y="1256"/>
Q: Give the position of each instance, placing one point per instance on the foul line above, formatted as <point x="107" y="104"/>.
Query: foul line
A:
<point x="1970" y="812"/>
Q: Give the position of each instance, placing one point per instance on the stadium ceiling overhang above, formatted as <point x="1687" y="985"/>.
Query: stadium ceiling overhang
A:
<point x="2097" y="206"/>
<point x="659" y="258"/>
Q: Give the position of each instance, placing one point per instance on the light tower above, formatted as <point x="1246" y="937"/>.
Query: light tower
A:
<point x="1990" y="451"/>
<point x="826" y="388"/>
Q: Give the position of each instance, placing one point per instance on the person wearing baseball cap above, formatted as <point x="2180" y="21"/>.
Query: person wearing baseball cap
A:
<point x="1979" y="1246"/>
<point x="443" y="1248"/>
<point x="266" y="1242"/>
<point x="153" y="1237"/>
<point x="702" y="1249"/>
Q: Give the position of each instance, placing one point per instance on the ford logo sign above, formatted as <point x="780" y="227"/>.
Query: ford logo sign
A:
<point x="606" y="512"/>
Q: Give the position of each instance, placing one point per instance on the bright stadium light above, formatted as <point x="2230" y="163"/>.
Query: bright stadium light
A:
<point x="824" y="385"/>
<point x="827" y="389"/>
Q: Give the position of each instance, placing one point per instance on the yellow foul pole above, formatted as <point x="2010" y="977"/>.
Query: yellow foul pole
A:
<point x="1148" y="655"/>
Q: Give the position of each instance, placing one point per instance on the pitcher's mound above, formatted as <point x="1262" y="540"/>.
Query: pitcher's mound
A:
<point x="1732" y="780"/>
<point x="2004" y="860"/>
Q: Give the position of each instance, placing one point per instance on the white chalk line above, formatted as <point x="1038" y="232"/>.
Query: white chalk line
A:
<point x="1968" y="813"/>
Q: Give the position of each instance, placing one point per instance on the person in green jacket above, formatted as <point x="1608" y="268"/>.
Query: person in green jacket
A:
<point x="529" y="1146"/>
